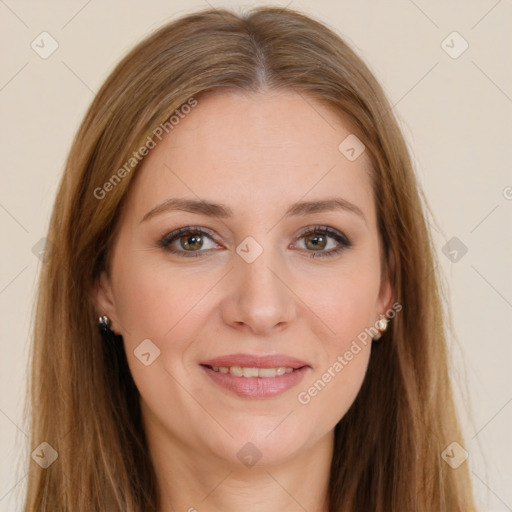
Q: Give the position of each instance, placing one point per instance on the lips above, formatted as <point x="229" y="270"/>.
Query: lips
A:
<point x="251" y="376"/>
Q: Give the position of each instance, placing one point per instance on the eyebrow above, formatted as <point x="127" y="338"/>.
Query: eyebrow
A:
<point x="222" y="211"/>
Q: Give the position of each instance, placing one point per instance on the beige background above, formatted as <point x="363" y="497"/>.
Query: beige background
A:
<point x="455" y="112"/>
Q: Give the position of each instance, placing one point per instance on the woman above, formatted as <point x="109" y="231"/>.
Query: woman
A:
<point x="240" y="218"/>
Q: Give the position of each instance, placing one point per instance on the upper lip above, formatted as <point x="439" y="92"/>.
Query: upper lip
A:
<point x="254" y="361"/>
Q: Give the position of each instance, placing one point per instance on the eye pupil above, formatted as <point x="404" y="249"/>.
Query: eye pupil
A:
<point x="318" y="241"/>
<point x="196" y="243"/>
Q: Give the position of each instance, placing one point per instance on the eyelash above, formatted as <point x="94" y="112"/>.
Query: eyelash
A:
<point x="343" y="240"/>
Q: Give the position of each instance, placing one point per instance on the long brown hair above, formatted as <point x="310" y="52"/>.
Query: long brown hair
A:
<point x="83" y="401"/>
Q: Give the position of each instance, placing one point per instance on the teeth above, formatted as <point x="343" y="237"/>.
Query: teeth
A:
<point x="236" y="371"/>
<point x="239" y="371"/>
<point x="250" y="372"/>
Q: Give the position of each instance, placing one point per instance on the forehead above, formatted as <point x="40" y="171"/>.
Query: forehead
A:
<point x="254" y="150"/>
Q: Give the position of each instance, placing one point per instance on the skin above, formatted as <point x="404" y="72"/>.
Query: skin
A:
<point x="257" y="154"/>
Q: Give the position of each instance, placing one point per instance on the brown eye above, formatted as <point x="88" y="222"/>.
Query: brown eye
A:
<point x="191" y="242"/>
<point x="188" y="241"/>
<point x="323" y="241"/>
<point x="316" y="242"/>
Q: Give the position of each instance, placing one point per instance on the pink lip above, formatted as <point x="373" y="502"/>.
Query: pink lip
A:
<point x="256" y="387"/>
<point x="253" y="361"/>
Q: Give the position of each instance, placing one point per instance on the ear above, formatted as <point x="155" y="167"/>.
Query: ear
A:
<point x="103" y="298"/>
<point x="387" y="292"/>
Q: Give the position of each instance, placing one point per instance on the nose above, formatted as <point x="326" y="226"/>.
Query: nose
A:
<point x="258" y="299"/>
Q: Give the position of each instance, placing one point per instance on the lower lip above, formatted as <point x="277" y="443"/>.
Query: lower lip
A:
<point x="257" y="387"/>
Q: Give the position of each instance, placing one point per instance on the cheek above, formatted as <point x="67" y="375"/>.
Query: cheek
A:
<point x="166" y="306"/>
<point x="344" y="301"/>
<point x="326" y="398"/>
<point x="151" y="297"/>
<point x="347" y="310"/>
<point x="345" y="306"/>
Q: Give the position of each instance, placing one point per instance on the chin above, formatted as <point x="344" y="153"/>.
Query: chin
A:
<point x="263" y="446"/>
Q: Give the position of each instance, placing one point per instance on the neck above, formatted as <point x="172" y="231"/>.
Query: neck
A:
<point x="194" y="481"/>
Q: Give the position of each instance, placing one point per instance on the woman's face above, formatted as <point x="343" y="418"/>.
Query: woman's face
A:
<point x="246" y="331"/>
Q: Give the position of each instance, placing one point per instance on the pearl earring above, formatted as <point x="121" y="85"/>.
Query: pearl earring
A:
<point x="382" y="325"/>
